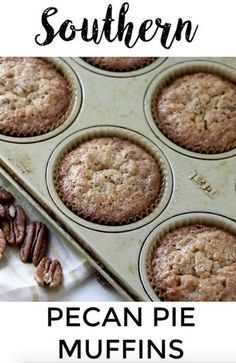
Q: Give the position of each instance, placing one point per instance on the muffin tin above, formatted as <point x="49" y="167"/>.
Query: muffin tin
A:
<point x="121" y="104"/>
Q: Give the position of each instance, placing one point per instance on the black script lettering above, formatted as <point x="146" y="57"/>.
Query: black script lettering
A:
<point x="63" y="30"/>
<point x="119" y="29"/>
<point x="180" y="27"/>
<point x="122" y="27"/>
<point x="84" y="31"/>
<point x="145" y="26"/>
<point x="124" y="31"/>
<point x="178" y="33"/>
<point x="107" y="24"/>
<point x="49" y="29"/>
<point x="165" y="31"/>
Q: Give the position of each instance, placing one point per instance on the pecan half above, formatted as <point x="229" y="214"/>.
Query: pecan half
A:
<point x="13" y="223"/>
<point x="49" y="273"/>
<point x="3" y="211"/>
<point x="101" y="280"/>
<point x="3" y="243"/>
<point x="35" y="245"/>
<point x="5" y="196"/>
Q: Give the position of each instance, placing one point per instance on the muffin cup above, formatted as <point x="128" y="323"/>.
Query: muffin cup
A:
<point x="34" y="135"/>
<point x="95" y="62"/>
<point x="144" y="67"/>
<point x="88" y="134"/>
<point x="183" y="220"/>
<point x="163" y="80"/>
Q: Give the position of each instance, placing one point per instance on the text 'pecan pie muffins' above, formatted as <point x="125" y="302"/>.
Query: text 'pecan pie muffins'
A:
<point x="120" y="64"/>
<point x="198" y="112"/>
<point x="194" y="263"/>
<point x="109" y="180"/>
<point x="34" y="96"/>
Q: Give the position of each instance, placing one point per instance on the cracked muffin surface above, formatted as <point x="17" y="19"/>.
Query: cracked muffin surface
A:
<point x="195" y="263"/>
<point x="34" y="96"/>
<point x="109" y="179"/>
<point x="119" y="63"/>
<point x="198" y="112"/>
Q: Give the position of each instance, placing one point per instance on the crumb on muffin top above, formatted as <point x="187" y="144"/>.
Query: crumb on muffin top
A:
<point x="119" y="63"/>
<point x="198" y="112"/>
<point x="34" y="96"/>
<point x="109" y="179"/>
<point x="195" y="263"/>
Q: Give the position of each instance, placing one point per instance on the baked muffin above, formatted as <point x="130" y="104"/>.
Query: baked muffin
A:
<point x="109" y="180"/>
<point x="198" y="112"/>
<point x="119" y="64"/>
<point x="195" y="263"/>
<point x="34" y="96"/>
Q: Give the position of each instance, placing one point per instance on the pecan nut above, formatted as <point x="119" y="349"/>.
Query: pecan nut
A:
<point x="101" y="280"/>
<point x="3" y="211"/>
<point x="13" y="223"/>
<point x="5" y="196"/>
<point x="49" y="273"/>
<point x="3" y="243"/>
<point x="35" y="244"/>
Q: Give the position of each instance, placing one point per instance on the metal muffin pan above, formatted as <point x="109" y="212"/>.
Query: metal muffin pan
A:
<point x="195" y="182"/>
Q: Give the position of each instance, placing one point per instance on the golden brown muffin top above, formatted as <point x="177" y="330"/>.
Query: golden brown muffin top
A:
<point x="119" y="63"/>
<point x="34" y="96"/>
<point x="198" y="112"/>
<point x="109" y="179"/>
<point x="195" y="263"/>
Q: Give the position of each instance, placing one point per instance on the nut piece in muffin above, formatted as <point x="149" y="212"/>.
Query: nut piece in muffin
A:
<point x="109" y="180"/>
<point x="34" y="96"/>
<point x="194" y="263"/>
<point x="120" y="64"/>
<point x="198" y="112"/>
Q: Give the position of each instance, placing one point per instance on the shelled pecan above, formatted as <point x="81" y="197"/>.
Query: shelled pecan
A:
<point x="49" y="273"/>
<point x="13" y="223"/>
<point x="101" y="280"/>
<point x="3" y="211"/>
<point x="5" y="196"/>
<point x="3" y="243"/>
<point x="34" y="248"/>
<point x="35" y="244"/>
